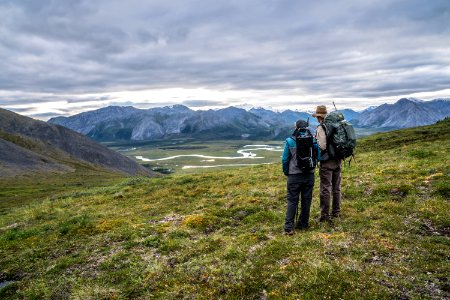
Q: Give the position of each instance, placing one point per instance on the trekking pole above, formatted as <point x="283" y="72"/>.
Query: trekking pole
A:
<point x="334" y="106"/>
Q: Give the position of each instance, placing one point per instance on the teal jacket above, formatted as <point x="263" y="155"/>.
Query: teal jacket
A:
<point x="289" y="157"/>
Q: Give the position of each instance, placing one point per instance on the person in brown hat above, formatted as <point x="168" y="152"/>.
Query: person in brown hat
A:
<point x="329" y="170"/>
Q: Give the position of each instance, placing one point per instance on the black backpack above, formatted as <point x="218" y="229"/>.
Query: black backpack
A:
<point x="305" y="151"/>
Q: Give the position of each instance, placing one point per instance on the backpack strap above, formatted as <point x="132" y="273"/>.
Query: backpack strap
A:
<point x="327" y="138"/>
<point x="324" y="129"/>
<point x="352" y="157"/>
<point x="308" y="131"/>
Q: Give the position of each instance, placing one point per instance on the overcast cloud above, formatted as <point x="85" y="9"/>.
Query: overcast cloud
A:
<point x="279" y="53"/>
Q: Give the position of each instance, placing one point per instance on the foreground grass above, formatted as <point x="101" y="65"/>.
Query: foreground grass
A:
<point x="18" y="191"/>
<point x="219" y="234"/>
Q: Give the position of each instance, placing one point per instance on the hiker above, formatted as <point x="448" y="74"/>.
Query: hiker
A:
<point x="329" y="170"/>
<point x="299" y="161"/>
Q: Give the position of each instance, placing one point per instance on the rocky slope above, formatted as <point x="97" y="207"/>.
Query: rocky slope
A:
<point x="16" y="159"/>
<point x="28" y="145"/>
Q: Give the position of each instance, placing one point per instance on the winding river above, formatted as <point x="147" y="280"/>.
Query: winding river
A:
<point x="245" y="153"/>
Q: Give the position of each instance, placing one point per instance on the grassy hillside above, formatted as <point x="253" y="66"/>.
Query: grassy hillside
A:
<point x="219" y="234"/>
<point x="19" y="191"/>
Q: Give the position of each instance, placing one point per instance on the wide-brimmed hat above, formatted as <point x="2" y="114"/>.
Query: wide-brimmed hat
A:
<point x="321" y="111"/>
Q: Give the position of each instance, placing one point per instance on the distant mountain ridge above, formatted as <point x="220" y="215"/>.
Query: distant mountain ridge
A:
<point x="28" y="146"/>
<point x="405" y="113"/>
<point x="129" y="123"/>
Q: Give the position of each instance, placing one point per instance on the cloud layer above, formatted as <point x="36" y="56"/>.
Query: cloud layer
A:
<point x="345" y="49"/>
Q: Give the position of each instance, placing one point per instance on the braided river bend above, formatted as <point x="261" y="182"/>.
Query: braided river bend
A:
<point x="193" y="156"/>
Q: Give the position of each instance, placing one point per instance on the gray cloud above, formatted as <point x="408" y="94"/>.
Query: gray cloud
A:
<point x="21" y="110"/>
<point x="44" y="116"/>
<point x="38" y="98"/>
<point x="342" y="48"/>
<point x="87" y="99"/>
<point x="122" y="103"/>
<point x="202" y="103"/>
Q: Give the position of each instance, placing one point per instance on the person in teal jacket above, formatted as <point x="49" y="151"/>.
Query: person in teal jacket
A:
<point x="300" y="176"/>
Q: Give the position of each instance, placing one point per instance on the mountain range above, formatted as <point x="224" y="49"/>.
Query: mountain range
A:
<point x="29" y="146"/>
<point x="129" y="123"/>
<point x="405" y="113"/>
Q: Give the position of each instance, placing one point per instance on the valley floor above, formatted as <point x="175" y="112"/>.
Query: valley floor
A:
<point x="218" y="235"/>
<point x="193" y="156"/>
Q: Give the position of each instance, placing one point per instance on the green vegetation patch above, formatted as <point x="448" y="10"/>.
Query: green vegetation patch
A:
<point x="219" y="235"/>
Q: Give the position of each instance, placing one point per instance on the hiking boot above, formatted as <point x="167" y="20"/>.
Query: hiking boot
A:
<point x="290" y="232"/>
<point x="336" y="215"/>
<point x="301" y="227"/>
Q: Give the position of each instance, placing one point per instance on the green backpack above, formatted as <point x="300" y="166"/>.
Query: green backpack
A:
<point x="340" y="136"/>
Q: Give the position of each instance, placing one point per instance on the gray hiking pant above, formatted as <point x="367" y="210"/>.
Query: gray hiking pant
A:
<point x="330" y="183"/>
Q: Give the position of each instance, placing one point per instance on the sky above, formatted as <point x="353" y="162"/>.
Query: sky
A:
<point x="62" y="57"/>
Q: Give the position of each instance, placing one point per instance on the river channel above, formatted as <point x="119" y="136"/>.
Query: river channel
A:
<point x="246" y="155"/>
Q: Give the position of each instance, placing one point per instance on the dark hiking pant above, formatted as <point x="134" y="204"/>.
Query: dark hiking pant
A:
<point x="330" y="182"/>
<point x="298" y="184"/>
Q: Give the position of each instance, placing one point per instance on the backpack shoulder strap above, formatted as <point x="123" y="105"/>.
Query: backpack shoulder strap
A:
<point x="308" y="131"/>
<point x="327" y="132"/>
<point x="324" y="127"/>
